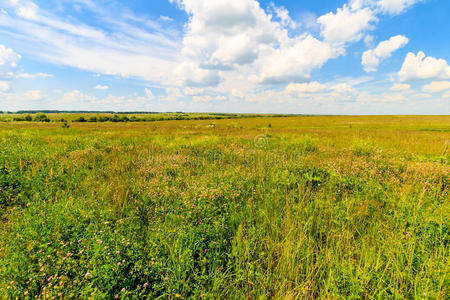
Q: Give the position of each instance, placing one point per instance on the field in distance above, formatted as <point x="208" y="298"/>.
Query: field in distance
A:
<point x="237" y="208"/>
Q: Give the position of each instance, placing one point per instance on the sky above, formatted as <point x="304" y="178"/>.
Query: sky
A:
<point x="280" y="56"/>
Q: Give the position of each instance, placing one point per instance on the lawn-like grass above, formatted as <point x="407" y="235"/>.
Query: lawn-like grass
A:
<point x="254" y="208"/>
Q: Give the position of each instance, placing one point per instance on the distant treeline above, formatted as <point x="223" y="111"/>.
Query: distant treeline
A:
<point x="21" y="112"/>
<point x="122" y="117"/>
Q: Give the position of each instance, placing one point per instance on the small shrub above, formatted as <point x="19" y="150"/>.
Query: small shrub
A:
<point x="80" y="119"/>
<point x="40" y="117"/>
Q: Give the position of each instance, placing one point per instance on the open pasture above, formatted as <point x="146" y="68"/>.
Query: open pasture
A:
<point x="256" y="208"/>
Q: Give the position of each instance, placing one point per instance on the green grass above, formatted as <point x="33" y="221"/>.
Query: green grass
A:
<point x="308" y="207"/>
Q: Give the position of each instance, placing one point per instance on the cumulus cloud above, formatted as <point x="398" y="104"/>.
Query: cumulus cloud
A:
<point x="4" y="86"/>
<point x="400" y="87"/>
<point x="294" y="62"/>
<point x="193" y="91"/>
<point x="312" y="87"/>
<point x="344" y="88"/>
<point x="395" y="7"/>
<point x="173" y="94"/>
<point x="346" y="25"/>
<point x="371" y="58"/>
<point x="101" y="87"/>
<point x="202" y="98"/>
<point x="239" y="36"/>
<point x="283" y="15"/>
<point x="436" y="86"/>
<point x="32" y="95"/>
<point x="8" y="61"/>
<point x="420" y="66"/>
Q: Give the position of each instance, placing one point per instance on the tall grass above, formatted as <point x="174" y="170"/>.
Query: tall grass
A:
<point x="185" y="210"/>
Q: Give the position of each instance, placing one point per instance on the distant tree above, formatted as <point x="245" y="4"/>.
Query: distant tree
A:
<point x="40" y="117"/>
<point x="28" y="118"/>
<point x="80" y="119"/>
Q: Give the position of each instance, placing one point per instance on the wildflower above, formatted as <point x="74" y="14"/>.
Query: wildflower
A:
<point x="214" y="243"/>
<point x="166" y="278"/>
<point x="145" y="284"/>
<point x="87" y="274"/>
<point x="119" y="263"/>
<point x="202" y="295"/>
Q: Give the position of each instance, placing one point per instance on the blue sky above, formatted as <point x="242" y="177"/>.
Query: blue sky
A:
<point x="319" y="57"/>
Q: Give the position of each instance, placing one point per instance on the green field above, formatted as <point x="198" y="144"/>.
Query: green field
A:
<point x="243" y="208"/>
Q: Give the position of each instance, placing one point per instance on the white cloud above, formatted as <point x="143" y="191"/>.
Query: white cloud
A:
<point x="420" y="66"/>
<point x="202" y="98"/>
<point x="283" y="15"/>
<point x="344" y="88"/>
<point x="4" y="86"/>
<point x="372" y="58"/>
<point x="294" y="62"/>
<point x="395" y="7"/>
<point x="346" y="25"/>
<point x="193" y="91"/>
<point x="312" y="87"/>
<point x="8" y="61"/>
<point x="237" y="37"/>
<point x="101" y="87"/>
<point x="32" y="76"/>
<point x="368" y="40"/>
<point x="400" y="87"/>
<point x="165" y="18"/>
<point x="134" y="46"/>
<point x="148" y="94"/>
<point x="32" y="95"/>
<point x="221" y="98"/>
<point x="436" y="86"/>
<point x="173" y="94"/>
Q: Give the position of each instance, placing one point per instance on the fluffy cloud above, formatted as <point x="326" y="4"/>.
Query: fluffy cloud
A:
<point x="202" y="98"/>
<point x="421" y="66"/>
<point x="312" y="87"/>
<point x="400" y="87"/>
<point x="101" y="87"/>
<point x="346" y="25"/>
<point x="344" y="88"/>
<point x="395" y="6"/>
<point x="32" y="95"/>
<point x="238" y="37"/>
<point x="294" y="62"/>
<point x="8" y="61"/>
<point x="372" y="58"/>
<point x="436" y="86"/>
<point x="283" y="15"/>
<point x="4" y="86"/>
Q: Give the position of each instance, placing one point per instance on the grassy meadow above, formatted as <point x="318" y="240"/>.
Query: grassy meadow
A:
<point x="247" y="208"/>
